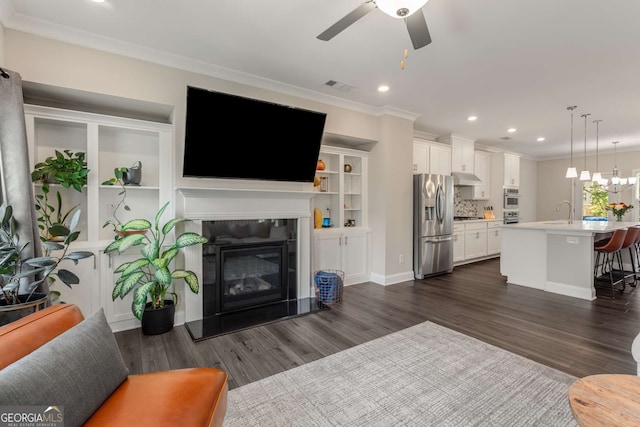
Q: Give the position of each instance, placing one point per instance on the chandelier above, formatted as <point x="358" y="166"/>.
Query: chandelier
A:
<point x="617" y="183"/>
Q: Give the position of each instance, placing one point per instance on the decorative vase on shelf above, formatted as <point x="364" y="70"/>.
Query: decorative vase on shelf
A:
<point x="320" y="166"/>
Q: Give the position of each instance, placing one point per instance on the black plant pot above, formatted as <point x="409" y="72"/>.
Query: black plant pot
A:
<point x="159" y="320"/>
<point x="11" y="313"/>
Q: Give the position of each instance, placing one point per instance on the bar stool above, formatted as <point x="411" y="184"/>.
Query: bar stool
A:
<point x="629" y="243"/>
<point x="636" y="249"/>
<point x="605" y="255"/>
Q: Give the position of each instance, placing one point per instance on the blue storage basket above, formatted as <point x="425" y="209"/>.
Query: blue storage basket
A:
<point x="329" y="286"/>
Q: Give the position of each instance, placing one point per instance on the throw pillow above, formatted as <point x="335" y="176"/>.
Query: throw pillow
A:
<point x="78" y="370"/>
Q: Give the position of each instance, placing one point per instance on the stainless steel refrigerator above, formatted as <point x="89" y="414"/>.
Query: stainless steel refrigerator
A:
<point x="432" y="225"/>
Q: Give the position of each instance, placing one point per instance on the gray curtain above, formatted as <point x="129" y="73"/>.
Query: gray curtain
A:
<point x="17" y="189"/>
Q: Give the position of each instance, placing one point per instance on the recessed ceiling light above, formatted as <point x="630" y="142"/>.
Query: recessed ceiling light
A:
<point x="383" y="88"/>
<point x="98" y="1"/>
<point x="540" y="139"/>
<point x="472" y="118"/>
<point x="511" y="130"/>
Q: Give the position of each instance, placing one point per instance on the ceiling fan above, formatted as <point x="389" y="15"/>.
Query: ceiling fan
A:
<point x="409" y="10"/>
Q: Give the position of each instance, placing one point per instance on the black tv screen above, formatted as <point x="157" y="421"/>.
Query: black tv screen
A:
<point x="229" y="136"/>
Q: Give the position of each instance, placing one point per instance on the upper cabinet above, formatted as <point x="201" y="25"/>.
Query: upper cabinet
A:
<point x="511" y="170"/>
<point x="431" y="157"/>
<point x="482" y="191"/>
<point x="462" y="154"/>
<point x="505" y="170"/>
<point x="341" y="193"/>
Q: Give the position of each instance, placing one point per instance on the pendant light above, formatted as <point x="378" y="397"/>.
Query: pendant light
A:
<point x="615" y="178"/>
<point x="597" y="176"/>
<point x="584" y="174"/>
<point x="571" y="170"/>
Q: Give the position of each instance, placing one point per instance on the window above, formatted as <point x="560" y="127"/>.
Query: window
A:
<point x="595" y="199"/>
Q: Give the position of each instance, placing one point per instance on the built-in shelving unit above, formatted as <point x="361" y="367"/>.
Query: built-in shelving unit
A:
<point x="109" y="142"/>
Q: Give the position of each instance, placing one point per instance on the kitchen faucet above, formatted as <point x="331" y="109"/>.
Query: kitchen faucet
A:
<point x="570" y="209"/>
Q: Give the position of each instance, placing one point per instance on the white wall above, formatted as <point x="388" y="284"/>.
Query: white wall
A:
<point x="554" y="187"/>
<point x="528" y="190"/>
<point x="1" y="45"/>
<point x="64" y="65"/>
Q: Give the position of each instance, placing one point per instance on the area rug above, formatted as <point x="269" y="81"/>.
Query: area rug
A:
<point x="425" y="375"/>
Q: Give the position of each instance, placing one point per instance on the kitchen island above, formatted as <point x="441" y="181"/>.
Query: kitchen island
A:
<point x="554" y="256"/>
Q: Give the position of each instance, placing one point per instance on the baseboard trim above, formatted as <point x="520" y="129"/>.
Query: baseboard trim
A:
<point x="392" y="279"/>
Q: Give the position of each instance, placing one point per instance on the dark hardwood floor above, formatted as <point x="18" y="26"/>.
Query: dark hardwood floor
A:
<point x="575" y="336"/>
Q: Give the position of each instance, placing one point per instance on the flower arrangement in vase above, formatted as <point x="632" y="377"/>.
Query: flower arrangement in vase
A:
<point x="619" y="209"/>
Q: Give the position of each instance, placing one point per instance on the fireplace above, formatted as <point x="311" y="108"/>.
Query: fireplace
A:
<point x="245" y="265"/>
<point x="246" y="214"/>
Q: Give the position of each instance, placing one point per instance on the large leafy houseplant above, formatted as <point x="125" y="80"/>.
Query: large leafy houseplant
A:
<point x="21" y="276"/>
<point x="68" y="169"/>
<point x="150" y="277"/>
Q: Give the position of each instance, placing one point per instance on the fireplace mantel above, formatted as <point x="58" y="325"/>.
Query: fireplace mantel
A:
<point x="209" y="204"/>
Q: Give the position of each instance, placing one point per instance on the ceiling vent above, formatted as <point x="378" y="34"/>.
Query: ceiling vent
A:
<point x="339" y="86"/>
<point x="506" y="138"/>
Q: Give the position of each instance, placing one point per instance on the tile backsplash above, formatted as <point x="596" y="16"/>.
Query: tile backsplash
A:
<point x="462" y="207"/>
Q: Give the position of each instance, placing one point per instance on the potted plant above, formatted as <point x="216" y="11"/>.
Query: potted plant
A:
<point x="21" y="277"/>
<point x="123" y="176"/>
<point x="151" y="277"/>
<point x="66" y="168"/>
<point x="52" y="219"/>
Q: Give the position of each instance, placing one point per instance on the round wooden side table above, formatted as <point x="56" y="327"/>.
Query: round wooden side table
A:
<point x="606" y="400"/>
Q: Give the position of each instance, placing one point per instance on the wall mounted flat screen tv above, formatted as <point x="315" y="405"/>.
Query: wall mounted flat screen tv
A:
<point x="229" y="136"/>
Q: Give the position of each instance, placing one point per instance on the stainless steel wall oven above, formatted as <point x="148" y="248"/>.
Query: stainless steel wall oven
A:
<point x="511" y="198"/>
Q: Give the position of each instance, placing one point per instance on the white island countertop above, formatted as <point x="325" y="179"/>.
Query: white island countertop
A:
<point x="580" y="226"/>
<point x="554" y="256"/>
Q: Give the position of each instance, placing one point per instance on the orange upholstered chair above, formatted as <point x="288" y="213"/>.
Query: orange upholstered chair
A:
<point x="179" y="397"/>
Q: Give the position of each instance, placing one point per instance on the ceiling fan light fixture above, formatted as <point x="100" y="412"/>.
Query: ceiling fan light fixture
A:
<point x="400" y="8"/>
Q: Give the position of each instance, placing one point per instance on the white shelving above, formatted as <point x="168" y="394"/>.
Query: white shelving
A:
<point x="109" y="142"/>
<point x="346" y="191"/>
<point x="343" y="246"/>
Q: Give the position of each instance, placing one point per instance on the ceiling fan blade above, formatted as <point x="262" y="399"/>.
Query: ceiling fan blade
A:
<point x="349" y="19"/>
<point x="418" y="31"/>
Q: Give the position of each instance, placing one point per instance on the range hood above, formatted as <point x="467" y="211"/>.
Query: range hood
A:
<point x="465" y="179"/>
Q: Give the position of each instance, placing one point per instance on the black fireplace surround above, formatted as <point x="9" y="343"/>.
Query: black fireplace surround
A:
<point x="249" y="275"/>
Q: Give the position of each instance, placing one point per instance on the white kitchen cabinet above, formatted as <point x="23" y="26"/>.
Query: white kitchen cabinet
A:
<point x="458" y="243"/>
<point x="440" y="159"/>
<point x="462" y="154"/>
<point x="480" y="191"/>
<point x="475" y="240"/>
<point x="345" y="198"/>
<point x="511" y="170"/>
<point x="494" y="236"/>
<point x="420" y="158"/>
<point x="345" y="250"/>
<point x="431" y="157"/>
